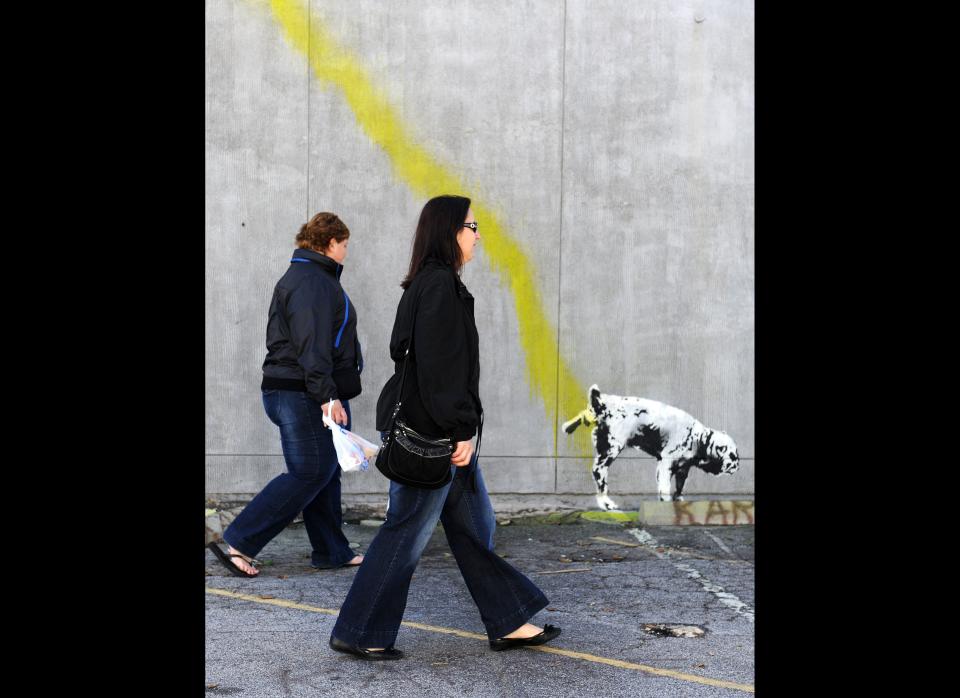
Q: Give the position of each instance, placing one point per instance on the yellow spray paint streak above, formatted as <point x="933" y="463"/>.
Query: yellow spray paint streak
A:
<point x="426" y="177"/>
<point x="656" y="671"/>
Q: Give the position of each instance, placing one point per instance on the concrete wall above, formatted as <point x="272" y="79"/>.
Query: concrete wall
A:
<point x="608" y="147"/>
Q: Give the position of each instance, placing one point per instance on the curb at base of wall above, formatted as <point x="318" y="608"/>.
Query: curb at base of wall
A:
<point x="713" y="512"/>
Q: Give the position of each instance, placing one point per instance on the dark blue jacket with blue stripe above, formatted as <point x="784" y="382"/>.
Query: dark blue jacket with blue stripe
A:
<point x="311" y="330"/>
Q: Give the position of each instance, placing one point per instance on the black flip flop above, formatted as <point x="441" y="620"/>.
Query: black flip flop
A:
<point x="225" y="559"/>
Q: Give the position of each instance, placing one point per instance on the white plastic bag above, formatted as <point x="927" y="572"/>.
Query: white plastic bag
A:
<point x="353" y="452"/>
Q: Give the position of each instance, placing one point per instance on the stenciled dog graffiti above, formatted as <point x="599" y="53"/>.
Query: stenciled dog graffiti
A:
<point x="676" y="439"/>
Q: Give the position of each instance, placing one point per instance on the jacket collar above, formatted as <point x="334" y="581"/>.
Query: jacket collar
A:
<point x="325" y="262"/>
<point x="434" y="262"/>
<point x="431" y="262"/>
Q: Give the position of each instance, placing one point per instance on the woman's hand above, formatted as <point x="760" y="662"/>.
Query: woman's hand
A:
<point x="463" y="453"/>
<point x="336" y="412"/>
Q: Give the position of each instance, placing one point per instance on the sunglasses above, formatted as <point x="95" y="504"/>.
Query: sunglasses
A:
<point x="473" y="226"/>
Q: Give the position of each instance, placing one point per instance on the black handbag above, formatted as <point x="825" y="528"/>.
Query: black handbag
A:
<point x="411" y="458"/>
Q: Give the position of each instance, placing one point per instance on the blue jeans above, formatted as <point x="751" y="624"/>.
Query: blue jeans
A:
<point x="370" y="615"/>
<point x="311" y="485"/>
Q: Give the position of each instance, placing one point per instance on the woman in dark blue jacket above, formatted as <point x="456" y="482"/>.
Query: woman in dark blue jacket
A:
<point x="441" y="399"/>
<point x="313" y="365"/>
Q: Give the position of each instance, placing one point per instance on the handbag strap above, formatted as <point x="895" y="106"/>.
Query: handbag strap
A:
<point x="403" y="376"/>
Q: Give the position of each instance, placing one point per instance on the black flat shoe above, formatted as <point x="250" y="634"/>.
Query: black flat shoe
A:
<point x="373" y="655"/>
<point x="505" y="643"/>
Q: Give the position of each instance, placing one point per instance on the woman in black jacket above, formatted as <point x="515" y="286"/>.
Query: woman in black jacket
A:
<point x="441" y="399"/>
<point x="313" y="365"/>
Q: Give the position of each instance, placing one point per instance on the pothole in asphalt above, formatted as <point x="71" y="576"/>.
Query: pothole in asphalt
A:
<point x="673" y="630"/>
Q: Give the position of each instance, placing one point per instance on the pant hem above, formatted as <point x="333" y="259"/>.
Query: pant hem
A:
<point x="364" y="638"/>
<point x="327" y="565"/>
<point x="508" y="624"/>
<point x="238" y="549"/>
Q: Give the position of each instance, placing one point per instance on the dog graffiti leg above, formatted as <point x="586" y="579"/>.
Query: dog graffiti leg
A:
<point x="600" y="468"/>
<point x="663" y="480"/>
<point x="681" y="478"/>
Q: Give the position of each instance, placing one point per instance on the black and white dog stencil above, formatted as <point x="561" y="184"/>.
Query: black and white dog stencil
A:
<point x="676" y="439"/>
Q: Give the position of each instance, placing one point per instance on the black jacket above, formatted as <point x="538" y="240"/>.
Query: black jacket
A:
<point x="442" y="393"/>
<point x="311" y="329"/>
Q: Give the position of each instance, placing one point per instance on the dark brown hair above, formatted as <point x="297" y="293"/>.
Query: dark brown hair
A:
<point x="317" y="233"/>
<point x="436" y="238"/>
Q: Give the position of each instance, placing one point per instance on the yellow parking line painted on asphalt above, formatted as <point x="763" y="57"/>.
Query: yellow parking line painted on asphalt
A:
<point x="669" y="673"/>
<point x="272" y="602"/>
